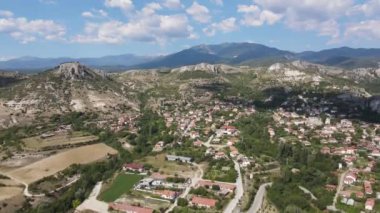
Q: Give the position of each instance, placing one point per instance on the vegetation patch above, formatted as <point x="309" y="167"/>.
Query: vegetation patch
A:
<point x="122" y="184"/>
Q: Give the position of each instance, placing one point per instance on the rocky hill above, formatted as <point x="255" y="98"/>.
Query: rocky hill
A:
<point x="67" y="87"/>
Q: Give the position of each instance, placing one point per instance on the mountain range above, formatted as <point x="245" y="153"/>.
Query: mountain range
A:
<point x="226" y="53"/>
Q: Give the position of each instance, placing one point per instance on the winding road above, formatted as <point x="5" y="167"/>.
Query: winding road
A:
<point x="259" y="198"/>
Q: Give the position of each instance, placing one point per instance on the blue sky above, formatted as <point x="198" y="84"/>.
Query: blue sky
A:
<point x="90" y="28"/>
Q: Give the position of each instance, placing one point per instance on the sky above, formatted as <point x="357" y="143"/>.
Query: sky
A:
<point x="93" y="28"/>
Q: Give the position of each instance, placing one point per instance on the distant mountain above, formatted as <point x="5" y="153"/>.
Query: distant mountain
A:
<point x="344" y="57"/>
<point x="115" y="62"/>
<point x="227" y="53"/>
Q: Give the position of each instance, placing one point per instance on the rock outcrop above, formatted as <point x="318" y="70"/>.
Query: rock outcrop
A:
<point x="212" y="68"/>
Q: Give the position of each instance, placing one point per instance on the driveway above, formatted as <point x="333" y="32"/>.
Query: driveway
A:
<point x="256" y="205"/>
<point x="238" y="193"/>
<point x="91" y="203"/>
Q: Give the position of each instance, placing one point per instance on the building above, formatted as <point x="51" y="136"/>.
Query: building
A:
<point x="166" y="194"/>
<point x="369" y="204"/>
<point x="368" y="187"/>
<point x="159" y="146"/>
<point x="179" y="158"/>
<point x="124" y="207"/>
<point x="203" y="202"/>
<point x="223" y="186"/>
<point x="133" y="167"/>
<point x="350" y="178"/>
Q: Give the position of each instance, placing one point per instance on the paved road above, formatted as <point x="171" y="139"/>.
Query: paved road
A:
<point x="194" y="180"/>
<point x="256" y="205"/>
<point x="232" y="205"/>
<point x="91" y="203"/>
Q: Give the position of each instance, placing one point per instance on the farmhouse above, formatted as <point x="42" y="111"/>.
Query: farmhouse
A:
<point x="134" y="167"/>
<point x="350" y="178"/>
<point x="223" y="186"/>
<point x="369" y="204"/>
<point x="179" y="158"/>
<point x="203" y="202"/>
<point x="166" y="194"/>
<point x="124" y="207"/>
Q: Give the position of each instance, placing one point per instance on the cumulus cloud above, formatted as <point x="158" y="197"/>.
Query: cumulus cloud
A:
<point x="95" y="14"/>
<point x="6" y="13"/>
<point x="146" y="28"/>
<point x="124" y="5"/>
<point x="26" y="31"/>
<point x="254" y="16"/>
<point x="226" y="25"/>
<point x="199" y="12"/>
<point x="172" y="4"/>
<point x="368" y="29"/>
<point x="369" y="8"/>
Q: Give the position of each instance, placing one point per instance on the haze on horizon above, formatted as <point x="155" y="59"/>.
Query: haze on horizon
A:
<point x="56" y="28"/>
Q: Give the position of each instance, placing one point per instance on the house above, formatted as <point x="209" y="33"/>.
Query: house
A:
<point x="133" y="167"/>
<point x="223" y="186"/>
<point x="368" y="187"/>
<point x="325" y="150"/>
<point x="198" y="143"/>
<point x="166" y="194"/>
<point x="158" y="147"/>
<point x="330" y="187"/>
<point x="125" y="207"/>
<point x="203" y="202"/>
<point x="350" y="178"/>
<point x="220" y="155"/>
<point x="179" y="158"/>
<point x="228" y="130"/>
<point x="369" y="204"/>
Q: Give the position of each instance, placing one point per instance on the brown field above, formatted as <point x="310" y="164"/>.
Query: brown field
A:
<point x="9" y="192"/>
<point x="37" y="143"/>
<point x="58" y="162"/>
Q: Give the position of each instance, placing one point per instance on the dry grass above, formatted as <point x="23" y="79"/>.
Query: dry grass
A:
<point x="37" y="143"/>
<point x="9" y="192"/>
<point x="167" y="167"/>
<point x="53" y="164"/>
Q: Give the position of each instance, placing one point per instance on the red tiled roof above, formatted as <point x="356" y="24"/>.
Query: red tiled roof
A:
<point x="134" y="166"/>
<point x="203" y="201"/>
<point x="124" y="207"/>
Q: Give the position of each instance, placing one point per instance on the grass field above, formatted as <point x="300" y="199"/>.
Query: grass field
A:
<point x="122" y="184"/>
<point x="37" y="143"/>
<point x="58" y="162"/>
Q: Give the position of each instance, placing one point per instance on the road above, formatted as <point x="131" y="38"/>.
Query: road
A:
<point x="26" y="191"/>
<point x="306" y="191"/>
<point x="340" y="186"/>
<point x="256" y="205"/>
<point x="232" y="205"/>
<point x="194" y="180"/>
<point x="91" y="203"/>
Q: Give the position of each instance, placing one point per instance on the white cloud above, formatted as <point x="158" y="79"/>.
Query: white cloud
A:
<point x="369" y="8"/>
<point x="145" y="27"/>
<point x="95" y="14"/>
<point x="218" y="2"/>
<point x="368" y="29"/>
<point x="6" y="13"/>
<point x="199" y="12"/>
<point x="227" y="25"/>
<point x="26" y="31"/>
<point x="254" y="16"/>
<point x="125" y="5"/>
<point x="151" y="8"/>
<point x="173" y="4"/>
<point x="48" y="1"/>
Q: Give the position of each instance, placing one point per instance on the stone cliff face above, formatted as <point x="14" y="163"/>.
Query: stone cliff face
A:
<point x="374" y="103"/>
<point x="74" y="71"/>
<point x="213" y="68"/>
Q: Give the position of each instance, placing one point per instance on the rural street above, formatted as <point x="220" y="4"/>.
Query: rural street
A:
<point x="256" y="205"/>
<point x="91" y="203"/>
<point x="340" y="186"/>
<point x="194" y="180"/>
<point x="306" y="191"/>
<point x="238" y="193"/>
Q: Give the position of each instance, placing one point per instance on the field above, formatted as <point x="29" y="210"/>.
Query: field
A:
<point x="37" y="143"/>
<point x="122" y="184"/>
<point x="58" y="162"/>
<point x="9" y="192"/>
<point x="167" y="167"/>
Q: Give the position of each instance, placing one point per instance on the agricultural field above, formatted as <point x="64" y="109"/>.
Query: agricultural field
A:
<point x="58" y="162"/>
<point x="122" y="184"/>
<point x="167" y="167"/>
<point x="61" y="140"/>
